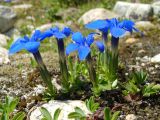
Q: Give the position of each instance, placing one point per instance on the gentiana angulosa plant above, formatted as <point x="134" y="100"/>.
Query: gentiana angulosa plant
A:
<point x="98" y="68"/>
<point x="7" y="109"/>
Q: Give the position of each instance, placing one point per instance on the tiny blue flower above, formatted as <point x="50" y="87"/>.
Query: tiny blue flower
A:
<point x="82" y="45"/>
<point x="25" y="43"/>
<point x="119" y="28"/>
<point x="56" y="33"/>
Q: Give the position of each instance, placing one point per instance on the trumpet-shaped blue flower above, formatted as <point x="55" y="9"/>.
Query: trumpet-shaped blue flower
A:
<point x="116" y="27"/>
<point x="25" y="43"/>
<point x="56" y="33"/>
<point x="82" y="45"/>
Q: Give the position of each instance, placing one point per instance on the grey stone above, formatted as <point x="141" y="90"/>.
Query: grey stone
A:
<point x="7" y="18"/>
<point x="156" y="59"/>
<point x="4" y="56"/>
<point x="95" y="14"/>
<point x="145" y="25"/>
<point x="3" y="40"/>
<point x="136" y="11"/>
<point x="65" y="106"/>
<point x="131" y="117"/>
<point x="13" y="33"/>
<point x="156" y="8"/>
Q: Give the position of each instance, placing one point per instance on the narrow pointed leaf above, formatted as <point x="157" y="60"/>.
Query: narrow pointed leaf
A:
<point x="56" y="114"/>
<point x="45" y="113"/>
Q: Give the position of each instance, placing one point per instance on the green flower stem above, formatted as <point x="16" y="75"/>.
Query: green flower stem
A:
<point x="92" y="72"/>
<point x="63" y="65"/>
<point x="44" y="73"/>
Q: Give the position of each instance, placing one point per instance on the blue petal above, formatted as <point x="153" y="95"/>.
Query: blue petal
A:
<point x="71" y="48"/>
<point x="55" y="29"/>
<point x="16" y="46"/>
<point x="78" y="38"/>
<point x="67" y="31"/>
<point x="127" y="25"/>
<point x="117" y="32"/>
<point x="90" y="39"/>
<point x="83" y="52"/>
<point x="47" y="33"/>
<point x="32" y="46"/>
<point x="59" y="35"/>
<point x="35" y="36"/>
<point x="98" y="24"/>
<point x="112" y="22"/>
<point x="100" y="45"/>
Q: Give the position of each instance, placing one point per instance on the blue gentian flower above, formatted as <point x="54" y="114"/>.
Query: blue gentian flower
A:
<point x="116" y="27"/>
<point x="119" y="28"/>
<point x="25" y="43"/>
<point x="82" y="45"/>
<point x="56" y="33"/>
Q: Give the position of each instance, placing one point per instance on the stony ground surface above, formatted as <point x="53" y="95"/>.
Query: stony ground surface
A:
<point x="20" y="76"/>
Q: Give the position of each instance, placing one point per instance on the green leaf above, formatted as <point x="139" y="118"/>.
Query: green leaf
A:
<point x="56" y="114"/>
<point x="45" y="113"/>
<point x="74" y="115"/>
<point x="13" y="104"/>
<point x="115" y="115"/>
<point x="107" y="114"/>
<point x="19" y="116"/>
<point x="91" y="105"/>
<point x="80" y="111"/>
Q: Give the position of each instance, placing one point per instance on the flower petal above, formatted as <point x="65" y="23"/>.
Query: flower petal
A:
<point x="71" y="48"/>
<point x="100" y="45"/>
<point x="35" y="36"/>
<point x="16" y="48"/>
<point x="117" y="32"/>
<point x="59" y="35"/>
<point x="32" y="46"/>
<point x="47" y="33"/>
<point x="67" y="31"/>
<point x="78" y="38"/>
<point x="90" y="39"/>
<point x="127" y="25"/>
<point x="98" y="24"/>
<point x="83" y="51"/>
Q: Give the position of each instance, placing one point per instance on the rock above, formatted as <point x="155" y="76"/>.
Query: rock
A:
<point x="3" y="40"/>
<point x="50" y="25"/>
<point x="95" y="14"/>
<point x="65" y="106"/>
<point x="21" y="8"/>
<point x="135" y="11"/>
<point x="156" y="8"/>
<point x="4" y="56"/>
<point x="44" y="27"/>
<point x="14" y="34"/>
<point x="156" y="59"/>
<point x="145" y="25"/>
<point x="131" y="117"/>
<point x="131" y="40"/>
<point x="7" y="18"/>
